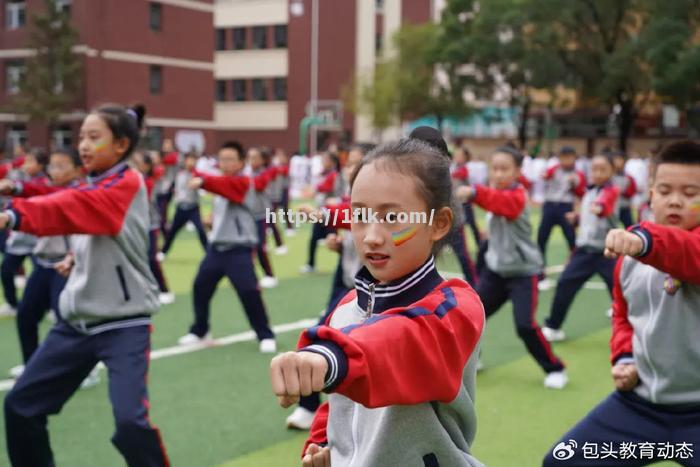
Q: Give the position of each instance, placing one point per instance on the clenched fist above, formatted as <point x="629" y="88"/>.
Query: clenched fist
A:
<point x="317" y="456"/>
<point x="620" y="242"/>
<point x="295" y="374"/>
<point x="625" y="376"/>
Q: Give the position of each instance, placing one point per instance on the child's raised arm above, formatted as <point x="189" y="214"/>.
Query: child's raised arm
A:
<point x="506" y="203"/>
<point x="98" y="210"/>
<point x="233" y="188"/>
<point x="404" y="355"/>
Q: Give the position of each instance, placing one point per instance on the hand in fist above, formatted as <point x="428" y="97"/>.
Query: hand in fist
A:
<point x="465" y="193"/>
<point x="195" y="183"/>
<point x="620" y="242"/>
<point x="317" y="456"/>
<point x="7" y="186"/>
<point x="295" y="374"/>
<point x="625" y="376"/>
<point x="571" y="217"/>
<point x="334" y="242"/>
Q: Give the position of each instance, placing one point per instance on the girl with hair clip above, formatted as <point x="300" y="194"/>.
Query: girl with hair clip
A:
<point x="106" y="304"/>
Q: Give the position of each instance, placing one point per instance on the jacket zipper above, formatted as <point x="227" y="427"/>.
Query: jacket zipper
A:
<point x="370" y="302"/>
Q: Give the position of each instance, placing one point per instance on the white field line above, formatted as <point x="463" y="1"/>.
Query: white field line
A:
<point x="6" y="384"/>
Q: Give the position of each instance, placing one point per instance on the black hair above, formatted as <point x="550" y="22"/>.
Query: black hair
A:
<point x="680" y="152"/>
<point x="335" y="160"/>
<point x="432" y="137"/>
<point x="568" y="150"/>
<point x="72" y="153"/>
<point x="41" y="156"/>
<point x="424" y="163"/>
<point x="123" y="123"/>
<point x="364" y="148"/>
<point x="191" y="155"/>
<point x="236" y="146"/>
<point x="512" y="152"/>
<point x="266" y="154"/>
<point x="147" y="159"/>
<point x="609" y="155"/>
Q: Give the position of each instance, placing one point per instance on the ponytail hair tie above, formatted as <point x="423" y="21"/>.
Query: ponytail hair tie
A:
<point x="132" y="113"/>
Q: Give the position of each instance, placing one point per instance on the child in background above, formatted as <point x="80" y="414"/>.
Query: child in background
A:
<point x="262" y="175"/>
<point x="655" y="354"/>
<point x="563" y="183"/>
<point x="164" y="187"/>
<point x="144" y="163"/>
<point x="598" y="215"/>
<point x="186" y="205"/>
<point x="460" y="173"/>
<point x="282" y="163"/>
<point x="273" y="192"/>
<point x="6" y="169"/>
<point x="331" y="186"/>
<point x="19" y="245"/>
<point x="627" y="187"/>
<point x="234" y="237"/>
<point x="45" y="283"/>
<point x="513" y="261"/>
<point x="106" y="305"/>
<point x="398" y="355"/>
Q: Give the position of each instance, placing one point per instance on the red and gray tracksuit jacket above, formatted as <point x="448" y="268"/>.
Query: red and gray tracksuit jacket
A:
<point x="233" y="221"/>
<point x="402" y="369"/>
<point x="593" y="228"/>
<point x="258" y="199"/>
<point x="628" y="188"/>
<point x="20" y="243"/>
<point x="511" y="251"/>
<point x="107" y="218"/>
<point x="558" y="187"/>
<point x="332" y="186"/>
<point x="656" y="314"/>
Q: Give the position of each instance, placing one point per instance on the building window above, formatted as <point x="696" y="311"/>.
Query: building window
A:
<point x="221" y="90"/>
<point x="156" y="79"/>
<point x="259" y="37"/>
<point x="220" y="39"/>
<point x="156" y="16"/>
<point x="259" y="90"/>
<point x="239" y="38"/>
<point x="13" y="76"/>
<point x="63" y="136"/>
<point x="281" y="36"/>
<point x="63" y="6"/>
<point x="239" y="90"/>
<point x="280" y="89"/>
<point x="379" y="5"/>
<point x="15" y="14"/>
<point x="16" y="136"/>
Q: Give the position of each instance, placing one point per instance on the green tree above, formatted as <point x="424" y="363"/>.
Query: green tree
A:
<point x="53" y="76"/>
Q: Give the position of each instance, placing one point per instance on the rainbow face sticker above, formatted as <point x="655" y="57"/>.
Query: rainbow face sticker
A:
<point x="100" y="145"/>
<point x="404" y="235"/>
<point x="695" y="207"/>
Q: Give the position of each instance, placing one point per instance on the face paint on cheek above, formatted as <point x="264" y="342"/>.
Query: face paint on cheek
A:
<point x="404" y="235"/>
<point x="695" y="207"/>
<point x="100" y="145"/>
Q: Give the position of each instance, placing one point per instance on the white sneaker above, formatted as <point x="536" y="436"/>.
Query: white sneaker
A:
<point x="307" y="269"/>
<point x="160" y="256"/>
<point x="479" y="366"/>
<point x="189" y="227"/>
<point x="290" y="232"/>
<point x="16" y="371"/>
<point x="268" y="282"/>
<point x="7" y="310"/>
<point x="300" y="419"/>
<point x="556" y="380"/>
<point x="93" y="379"/>
<point x="553" y="335"/>
<point x="545" y="284"/>
<point x="51" y="316"/>
<point x="609" y="313"/>
<point x="20" y="282"/>
<point x="268" y="346"/>
<point x="166" y="298"/>
<point x="281" y="250"/>
<point x="190" y="339"/>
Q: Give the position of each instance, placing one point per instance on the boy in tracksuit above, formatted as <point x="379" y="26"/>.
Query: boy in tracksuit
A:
<point x="186" y="204"/>
<point x="598" y="215"/>
<point x="233" y="239"/>
<point x="627" y="186"/>
<point x="19" y="245"/>
<point x="563" y="183"/>
<point x="513" y="261"/>
<point x="654" y="346"/>
<point x="105" y="306"/>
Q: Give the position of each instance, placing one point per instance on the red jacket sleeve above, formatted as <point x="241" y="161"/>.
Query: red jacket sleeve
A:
<point x="283" y="170"/>
<point x="607" y="199"/>
<point x="339" y="215"/>
<point x="580" y="188"/>
<point x="622" y="332"/>
<point x="326" y="185"/>
<point x="631" y="187"/>
<point x="31" y="189"/>
<point x="407" y="355"/>
<point x="317" y="433"/>
<point x="93" y="210"/>
<point x="672" y="250"/>
<point x="524" y="181"/>
<point x="4" y="170"/>
<point x="549" y="173"/>
<point x="461" y="173"/>
<point x="170" y="158"/>
<point x="18" y="162"/>
<point x="263" y="179"/>
<point x="506" y="203"/>
<point x="234" y="188"/>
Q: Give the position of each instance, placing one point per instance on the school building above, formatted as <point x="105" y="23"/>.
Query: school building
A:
<point x="213" y="70"/>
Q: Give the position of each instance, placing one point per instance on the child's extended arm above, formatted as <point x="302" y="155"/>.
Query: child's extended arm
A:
<point x="604" y="205"/>
<point x="234" y="188"/>
<point x="506" y="203"/>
